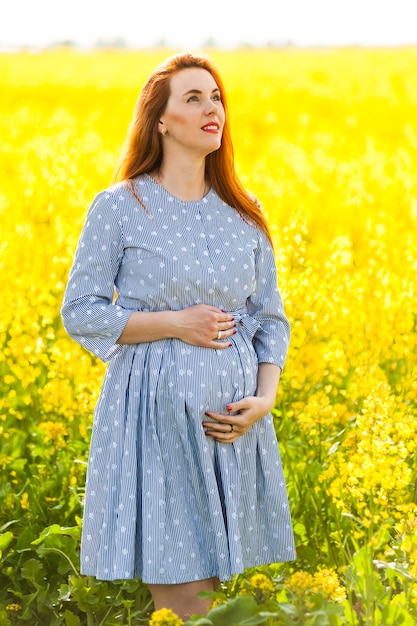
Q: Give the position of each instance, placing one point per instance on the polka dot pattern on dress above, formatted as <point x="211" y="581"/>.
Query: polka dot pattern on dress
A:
<point x="163" y="502"/>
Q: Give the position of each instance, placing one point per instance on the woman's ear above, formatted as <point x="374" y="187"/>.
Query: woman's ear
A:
<point x="161" y="128"/>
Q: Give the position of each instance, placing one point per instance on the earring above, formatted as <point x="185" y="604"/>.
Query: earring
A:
<point x="164" y="132"/>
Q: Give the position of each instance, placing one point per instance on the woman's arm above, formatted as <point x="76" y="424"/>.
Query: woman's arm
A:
<point x="267" y="383"/>
<point x="265" y="304"/>
<point x="197" y="325"/>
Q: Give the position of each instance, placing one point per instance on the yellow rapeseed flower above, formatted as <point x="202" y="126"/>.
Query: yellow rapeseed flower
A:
<point x="262" y="587"/>
<point x="53" y="430"/>
<point x="326" y="582"/>
<point x="374" y="464"/>
<point x="24" y="500"/>
<point x="54" y="433"/>
<point x="165" y="617"/>
<point x="300" y="583"/>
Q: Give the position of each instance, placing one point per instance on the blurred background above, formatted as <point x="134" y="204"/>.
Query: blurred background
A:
<point x="136" y="24"/>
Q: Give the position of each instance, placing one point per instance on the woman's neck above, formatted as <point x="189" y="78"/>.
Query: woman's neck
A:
<point x="183" y="180"/>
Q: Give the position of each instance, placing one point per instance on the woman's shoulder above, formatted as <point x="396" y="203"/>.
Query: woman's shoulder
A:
<point x="123" y="194"/>
<point x="108" y="196"/>
<point x="130" y="203"/>
<point x="113" y="204"/>
<point x="113" y="191"/>
<point x="131" y="190"/>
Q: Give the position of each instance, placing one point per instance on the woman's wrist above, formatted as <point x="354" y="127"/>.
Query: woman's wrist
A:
<point x="144" y="326"/>
<point x="268" y="402"/>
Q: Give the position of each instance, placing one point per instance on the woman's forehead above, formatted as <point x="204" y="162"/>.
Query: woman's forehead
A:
<point x="192" y="78"/>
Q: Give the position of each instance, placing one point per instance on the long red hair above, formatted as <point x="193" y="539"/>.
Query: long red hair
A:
<point x="142" y="152"/>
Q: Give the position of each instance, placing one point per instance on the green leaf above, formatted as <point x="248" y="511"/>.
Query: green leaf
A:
<point x="260" y="618"/>
<point x="7" y="524"/>
<point x="64" y="593"/>
<point x="55" y="529"/>
<point x="349" y="613"/>
<point x="5" y="539"/>
<point x="62" y="550"/>
<point x="132" y="585"/>
<point x="90" y="595"/>
<point x="24" y="540"/>
<point x="71" y="619"/>
<point x="26" y="602"/>
<point x="396" y="567"/>
<point x="396" y="616"/>
<point x="300" y="530"/>
<point x="236" y="612"/>
<point x="4" y="620"/>
<point x="32" y="570"/>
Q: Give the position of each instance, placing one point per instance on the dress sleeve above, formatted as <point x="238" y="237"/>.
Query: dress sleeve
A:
<point x="272" y="338"/>
<point x="88" y="312"/>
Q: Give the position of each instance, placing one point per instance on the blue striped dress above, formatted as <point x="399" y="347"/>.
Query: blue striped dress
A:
<point x="164" y="502"/>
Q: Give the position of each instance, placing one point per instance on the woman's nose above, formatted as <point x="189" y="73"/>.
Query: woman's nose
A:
<point x="211" y="107"/>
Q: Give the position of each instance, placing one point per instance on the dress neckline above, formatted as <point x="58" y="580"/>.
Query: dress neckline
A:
<point x="172" y="198"/>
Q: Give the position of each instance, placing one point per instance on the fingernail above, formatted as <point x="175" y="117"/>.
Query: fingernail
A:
<point x="228" y="407"/>
<point x="234" y="332"/>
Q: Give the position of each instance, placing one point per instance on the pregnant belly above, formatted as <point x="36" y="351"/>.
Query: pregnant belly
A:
<point x="169" y="377"/>
<point x="203" y="379"/>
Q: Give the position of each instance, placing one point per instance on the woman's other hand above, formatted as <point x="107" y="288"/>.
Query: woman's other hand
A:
<point x="243" y="414"/>
<point x="203" y="325"/>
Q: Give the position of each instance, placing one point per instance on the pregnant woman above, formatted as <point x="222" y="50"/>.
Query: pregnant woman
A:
<point x="174" y="285"/>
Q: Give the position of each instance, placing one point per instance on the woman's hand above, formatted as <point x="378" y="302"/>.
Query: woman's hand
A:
<point x="242" y="416"/>
<point x="203" y="325"/>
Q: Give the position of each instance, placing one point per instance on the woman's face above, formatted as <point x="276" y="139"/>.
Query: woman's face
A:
<point x="194" y="115"/>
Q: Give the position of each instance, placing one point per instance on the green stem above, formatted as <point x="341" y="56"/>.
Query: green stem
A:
<point x="288" y="459"/>
<point x="90" y="619"/>
<point x="66" y="557"/>
<point x="323" y="521"/>
<point x="103" y="621"/>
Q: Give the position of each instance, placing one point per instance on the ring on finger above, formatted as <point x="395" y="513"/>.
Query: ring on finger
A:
<point x="219" y="334"/>
<point x="231" y="428"/>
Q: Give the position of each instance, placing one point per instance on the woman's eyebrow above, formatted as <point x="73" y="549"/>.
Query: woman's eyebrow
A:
<point x="197" y="91"/>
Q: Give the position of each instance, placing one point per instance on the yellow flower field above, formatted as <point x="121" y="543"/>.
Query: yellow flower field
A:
<point x="327" y="140"/>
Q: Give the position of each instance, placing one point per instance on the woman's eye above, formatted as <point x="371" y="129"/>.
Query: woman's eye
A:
<point x="192" y="99"/>
<point x="216" y="97"/>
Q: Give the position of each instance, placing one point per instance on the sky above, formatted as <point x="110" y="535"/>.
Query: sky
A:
<point x="191" y="24"/>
